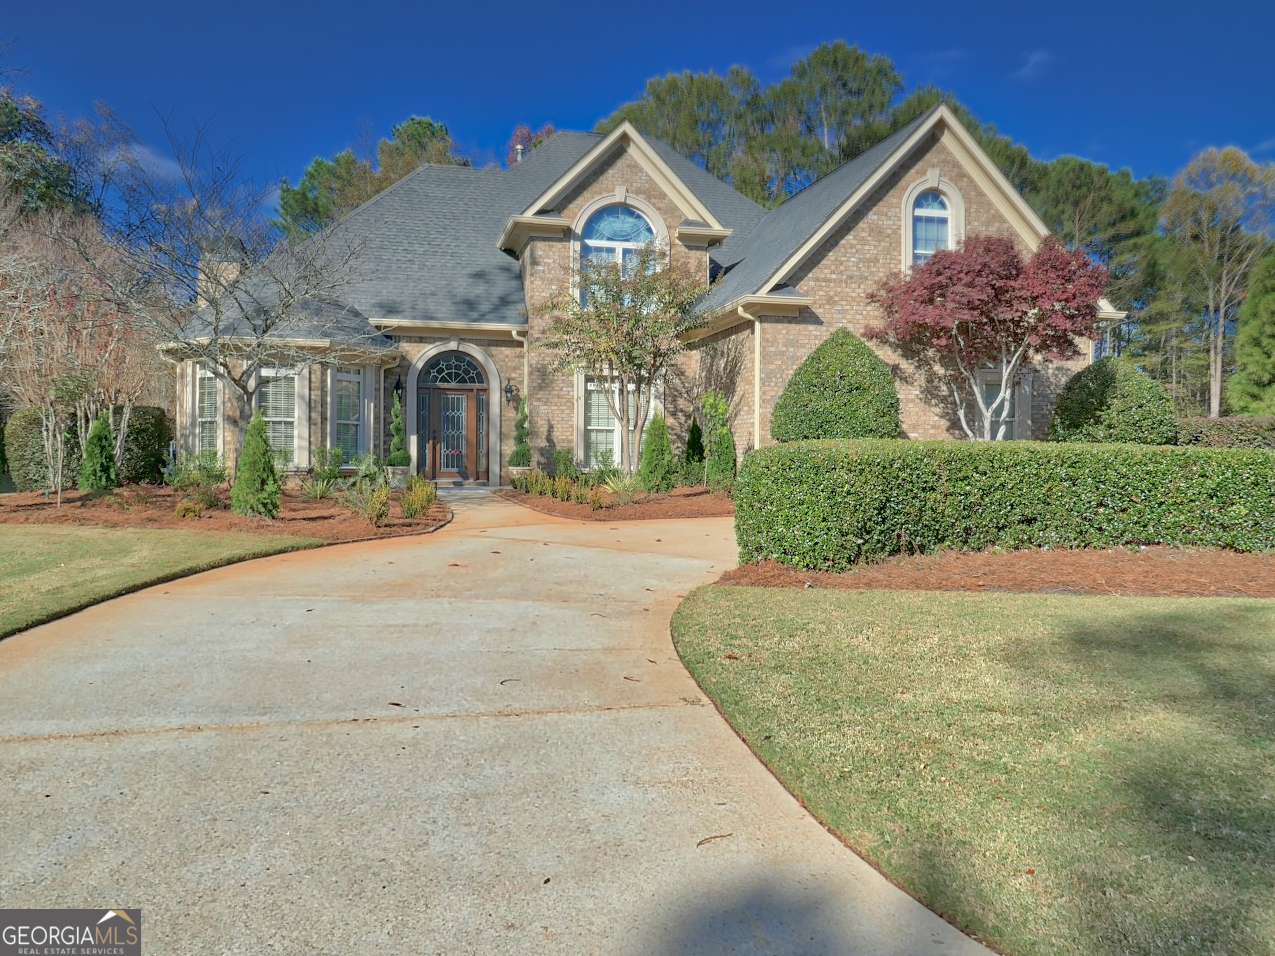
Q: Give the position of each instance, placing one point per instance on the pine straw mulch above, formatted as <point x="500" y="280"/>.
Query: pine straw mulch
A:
<point x="1152" y="571"/>
<point x="678" y="503"/>
<point x="153" y="507"/>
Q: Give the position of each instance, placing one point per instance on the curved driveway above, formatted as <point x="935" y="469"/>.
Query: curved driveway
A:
<point x="479" y="741"/>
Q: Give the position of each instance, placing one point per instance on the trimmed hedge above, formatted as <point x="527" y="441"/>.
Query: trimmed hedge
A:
<point x="24" y="452"/>
<point x="1111" y="401"/>
<point x="842" y="390"/>
<point x="1235" y="432"/>
<point x="831" y="504"/>
<point x="145" y="446"/>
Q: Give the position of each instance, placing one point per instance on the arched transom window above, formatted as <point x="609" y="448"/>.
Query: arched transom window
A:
<point x="931" y="226"/>
<point x="453" y="368"/>
<point x="614" y="234"/>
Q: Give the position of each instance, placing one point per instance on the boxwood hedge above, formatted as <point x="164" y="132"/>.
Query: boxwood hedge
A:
<point x="1234" y="432"/>
<point x="841" y="390"/>
<point x="832" y="504"/>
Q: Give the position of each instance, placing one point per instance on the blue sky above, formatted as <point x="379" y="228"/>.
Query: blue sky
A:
<point x="1144" y="85"/>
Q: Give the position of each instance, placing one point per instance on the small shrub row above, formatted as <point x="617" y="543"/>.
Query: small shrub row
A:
<point x="536" y="482"/>
<point x="832" y="504"/>
<point x="417" y="496"/>
<point x="1227" y="432"/>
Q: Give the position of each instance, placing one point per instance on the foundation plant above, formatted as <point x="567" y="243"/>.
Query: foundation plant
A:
<point x="829" y="505"/>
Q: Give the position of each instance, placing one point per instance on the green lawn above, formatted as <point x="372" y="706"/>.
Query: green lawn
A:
<point x="1055" y="774"/>
<point x="49" y="571"/>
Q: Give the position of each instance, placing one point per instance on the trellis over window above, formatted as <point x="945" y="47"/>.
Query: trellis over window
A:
<point x="933" y="218"/>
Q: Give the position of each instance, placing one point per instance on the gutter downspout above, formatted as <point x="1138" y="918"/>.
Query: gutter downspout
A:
<point x="523" y="340"/>
<point x="756" y="320"/>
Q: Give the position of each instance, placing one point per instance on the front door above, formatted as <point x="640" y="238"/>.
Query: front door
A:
<point x="453" y="419"/>
<point x="453" y="438"/>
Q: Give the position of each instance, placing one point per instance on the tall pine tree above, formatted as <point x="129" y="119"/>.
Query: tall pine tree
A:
<point x="1251" y="389"/>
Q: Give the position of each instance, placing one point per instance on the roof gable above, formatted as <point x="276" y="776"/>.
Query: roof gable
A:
<point x="647" y="156"/>
<point x="797" y="229"/>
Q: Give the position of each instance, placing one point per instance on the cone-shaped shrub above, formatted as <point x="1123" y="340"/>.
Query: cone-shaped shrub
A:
<point x="399" y="456"/>
<point x="97" y="470"/>
<point x="841" y="390"/>
<point x="694" y="443"/>
<point x="721" y="461"/>
<point x="1111" y="402"/>
<point x="656" y="471"/>
<point x="256" y="488"/>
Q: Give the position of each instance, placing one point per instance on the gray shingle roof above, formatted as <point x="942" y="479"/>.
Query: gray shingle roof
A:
<point x="427" y="245"/>
<point x="783" y="230"/>
<point x="252" y="312"/>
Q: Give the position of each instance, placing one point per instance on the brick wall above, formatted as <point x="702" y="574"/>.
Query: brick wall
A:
<point x="546" y="273"/>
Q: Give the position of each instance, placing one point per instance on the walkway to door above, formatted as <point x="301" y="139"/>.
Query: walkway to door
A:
<point x="480" y="741"/>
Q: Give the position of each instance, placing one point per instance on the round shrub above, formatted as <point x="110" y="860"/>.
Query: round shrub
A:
<point x="145" y="445"/>
<point x="1111" y="402"/>
<point x="842" y="390"/>
<point x="24" y="451"/>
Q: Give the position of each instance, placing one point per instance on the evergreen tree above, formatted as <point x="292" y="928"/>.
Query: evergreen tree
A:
<point x="1251" y="389"/>
<point x="520" y="457"/>
<point x="656" y="471"/>
<point x="694" y="443"/>
<point x="399" y="456"/>
<point x="719" y="466"/>
<point x="97" y="469"/>
<point x="256" y="489"/>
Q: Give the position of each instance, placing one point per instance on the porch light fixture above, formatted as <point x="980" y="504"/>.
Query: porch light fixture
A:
<point x="509" y="393"/>
<point x="398" y="386"/>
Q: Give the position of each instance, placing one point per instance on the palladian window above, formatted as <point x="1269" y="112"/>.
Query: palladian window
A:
<point x="931" y="226"/>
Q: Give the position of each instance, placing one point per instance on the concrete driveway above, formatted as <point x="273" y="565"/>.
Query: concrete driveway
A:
<point x="478" y="741"/>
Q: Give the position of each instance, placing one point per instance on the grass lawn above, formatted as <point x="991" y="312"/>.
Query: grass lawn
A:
<point x="50" y="571"/>
<point x="1055" y="774"/>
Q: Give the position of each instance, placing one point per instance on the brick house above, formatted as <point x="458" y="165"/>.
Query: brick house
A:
<point x="458" y="259"/>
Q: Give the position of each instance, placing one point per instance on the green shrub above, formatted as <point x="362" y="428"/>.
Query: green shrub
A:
<point x="832" y="504"/>
<point x="719" y="465"/>
<point x="3" y="463"/>
<point x="202" y="469"/>
<point x="189" y="508"/>
<point x="842" y="390"/>
<point x="624" y="488"/>
<point x="328" y="462"/>
<point x="1112" y="402"/>
<point x="1235" y="432"/>
<point x="399" y="457"/>
<point x="595" y="499"/>
<point x="564" y="464"/>
<point x="256" y="489"/>
<point x="658" y="470"/>
<point x="520" y="457"/>
<point x="694" y="443"/>
<point x="97" y="470"/>
<point x="24" y="452"/>
<point x="145" y="446"/>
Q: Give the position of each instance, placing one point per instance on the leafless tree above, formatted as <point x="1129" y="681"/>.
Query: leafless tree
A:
<point x="196" y="263"/>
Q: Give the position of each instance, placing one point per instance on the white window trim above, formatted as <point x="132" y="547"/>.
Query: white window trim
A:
<point x="621" y="197"/>
<point x="581" y="431"/>
<point x="300" y="411"/>
<point x="201" y="372"/>
<point x="1020" y="428"/>
<point x="933" y="182"/>
<point x="365" y="401"/>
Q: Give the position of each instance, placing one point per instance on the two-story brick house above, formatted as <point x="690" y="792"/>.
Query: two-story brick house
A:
<point x="458" y="259"/>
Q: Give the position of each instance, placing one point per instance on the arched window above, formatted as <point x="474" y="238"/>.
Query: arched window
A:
<point x="931" y="226"/>
<point x="614" y="234"/>
<point x="452" y="368"/>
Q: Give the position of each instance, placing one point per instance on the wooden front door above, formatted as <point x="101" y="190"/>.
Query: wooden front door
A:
<point x="453" y="437"/>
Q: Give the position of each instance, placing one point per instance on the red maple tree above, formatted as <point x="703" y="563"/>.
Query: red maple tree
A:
<point x="968" y="316"/>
